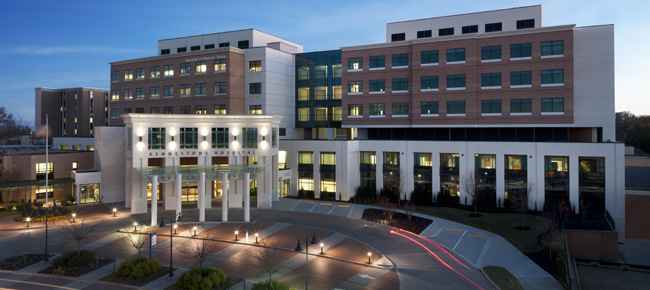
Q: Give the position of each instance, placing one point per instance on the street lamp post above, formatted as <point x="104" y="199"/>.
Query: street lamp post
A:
<point x="47" y="181"/>
<point x="171" y="244"/>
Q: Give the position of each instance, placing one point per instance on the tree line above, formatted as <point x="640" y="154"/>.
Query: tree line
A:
<point x="633" y="130"/>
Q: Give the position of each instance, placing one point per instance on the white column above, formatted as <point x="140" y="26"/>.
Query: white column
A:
<point x="501" y="179"/>
<point x="201" y="197"/>
<point x="78" y="194"/>
<point x="247" y="197"/>
<point x="224" y="200"/>
<point x="179" y="190"/>
<point x="154" y="199"/>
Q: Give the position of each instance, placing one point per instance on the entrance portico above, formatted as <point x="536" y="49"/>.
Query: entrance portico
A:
<point x="183" y="154"/>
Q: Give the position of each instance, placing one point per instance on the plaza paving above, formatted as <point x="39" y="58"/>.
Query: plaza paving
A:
<point x="446" y="255"/>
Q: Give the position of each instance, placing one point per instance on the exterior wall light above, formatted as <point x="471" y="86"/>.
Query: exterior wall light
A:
<point x="204" y="144"/>
<point x="172" y="144"/>
<point x="140" y="144"/>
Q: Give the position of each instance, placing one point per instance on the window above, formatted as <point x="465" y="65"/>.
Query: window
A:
<point x="128" y="74"/>
<point x="75" y="165"/>
<point x="320" y="114"/>
<point x="303" y="94"/>
<point x="553" y="105"/>
<point x="139" y="73"/>
<point x="355" y="110"/>
<point x="321" y="71"/>
<point x="220" y="109"/>
<point x="181" y="49"/>
<point x="115" y="113"/>
<point x="398" y="37"/>
<point x="115" y="76"/>
<point x="491" y="107"/>
<point x="553" y="47"/>
<point x="491" y="52"/>
<point x="429" y="57"/>
<point x="429" y="108"/>
<point x="401" y="59"/>
<point x="189" y="138"/>
<point x="224" y="44"/>
<point x="521" y="106"/>
<point x="378" y="61"/>
<point x="424" y="34"/>
<point x="520" y="78"/>
<point x="455" y="54"/>
<point x="355" y="87"/>
<point x="220" y="65"/>
<point x="401" y="84"/>
<point x="255" y="110"/>
<point x="195" y="48"/>
<point x="168" y="91"/>
<point x="156" y="138"/>
<point x="400" y="109"/>
<point x="128" y="111"/>
<point x="185" y="110"/>
<point x="255" y="66"/>
<point x="168" y="110"/>
<point x="337" y="114"/>
<point x="303" y="73"/>
<point x="186" y="68"/>
<point x="250" y="138"/>
<point x="303" y="114"/>
<point x="377" y="85"/>
<point x="527" y="23"/>
<point x="128" y="94"/>
<point x="520" y="50"/>
<point x="255" y="88"/>
<point x="208" y="46"/>
<point x="220" y="137"/>
<point x="186" y="90"/>
<point x="44" y="168"/>
<point x="429" y="83"/>
<point x="355" y="63"/>
<point x="491" y="80"/>
<point x="320" y="93"/>
<point x="220" y="87"/>
<point x="377" y="110"/>
<point x="470" y="29"/>
<point x="455" y="107"/>
<point x="200" y="109"/>
<point x="274" y="137"/>
<point x="200" y="67"/>
<point x="200" y="89"/>
<point x="139" y="94"/>
<point x="154" y="110"/>
<point x="305" y="157"/>
<point x="115" y="95"/>
<point x="446" y="31"/>
<point x="553" y="76"/>
<point x="164" y="51"/>
<point x="455" y="81"/>
<point x="168" y="70"/>
<point x="493" y="27"/>
<point x="336" y="92"/>
<point x="154" y="71"/>
<point x="336" y="70"/>
<point x="242" y="44"/>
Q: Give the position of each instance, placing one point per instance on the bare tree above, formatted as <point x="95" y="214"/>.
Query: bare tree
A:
<point x="200" y="247"/>
<point x="468" y="182"/>
<point x="138" y="240"/>
<point x="270" y="258"/>
<point x="520" y="200"/>
<point x="409" y="208"/>
<point x="77" y="231"/>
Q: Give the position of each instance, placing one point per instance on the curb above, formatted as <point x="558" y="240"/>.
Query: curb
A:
<point x="71" y="279"/>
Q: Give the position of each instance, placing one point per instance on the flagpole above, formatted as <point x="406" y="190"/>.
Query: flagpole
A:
<point x="47" y="164"/>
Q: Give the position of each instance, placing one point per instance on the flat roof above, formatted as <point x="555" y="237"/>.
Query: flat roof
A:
<point x="462" y="14"/>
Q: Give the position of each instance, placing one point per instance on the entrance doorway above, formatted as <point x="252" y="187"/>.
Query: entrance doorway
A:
<point x="190" y="192"/>
<point x="89" y="193"/>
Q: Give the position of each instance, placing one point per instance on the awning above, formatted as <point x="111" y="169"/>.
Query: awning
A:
<point x="12" y="185"/>
<point x="191" y="173"/>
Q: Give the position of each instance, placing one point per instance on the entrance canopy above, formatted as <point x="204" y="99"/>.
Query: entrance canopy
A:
<point x="192" y="172"/>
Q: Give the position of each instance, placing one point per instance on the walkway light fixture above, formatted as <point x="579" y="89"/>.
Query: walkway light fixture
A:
<point x="256" y="236"/>
<point x="28" y="219"/>
<point x="175" y="227"/>
<point x="114" y="211"/>
<point x="194" y="228"/>
<point x="321" y="248"/>
<point x="369" y="256"/>
<point x="135" y="226"/>
<point x="74" y="216"/>
<point x="236" y="236"/>
<point x="171" y="244"/>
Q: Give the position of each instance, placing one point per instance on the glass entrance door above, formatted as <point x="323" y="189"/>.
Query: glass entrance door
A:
<point x="190" y="192"/>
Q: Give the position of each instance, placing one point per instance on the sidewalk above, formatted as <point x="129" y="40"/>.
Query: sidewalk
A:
<point x="478" y="247"/>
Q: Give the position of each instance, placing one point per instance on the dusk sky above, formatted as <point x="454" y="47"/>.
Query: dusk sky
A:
<point x="62" y="44"/>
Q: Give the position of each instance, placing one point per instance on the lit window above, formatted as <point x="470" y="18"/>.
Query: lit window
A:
<point x="220" y="109"/>
<point x="139" y="73"/>
<point x="255" y="66"/>
<point x="355" y="63"/>
<point x="321" y="93"/>
<point x="128" y="75"/>
<point x="115" y="95"/>
<point x="186" y="68"/>
<point x="220" y="65"/>
<point x="355" y="86"/>
<point x="154" y="71"/>
<point x="200" y="110"/>
<point x="303" y="73"/>
<point x="186" y="90"/>
<point x="320" y="114"/>
<point x="336" y="92"/>
<point x="355" y="110"/>
<point x="168" y="70"/>
<point x="255" y="110"/>
<point x="377" y="110"/>
<point x="337" y="114"/>
<point x="303" y="94"/>
<point x="305" y="157"/>
<point x="220" y="87"/>
<point x="155" y="92"/>
<point x="303" y="114"/>
<point x="128" y="94"/>
<point x="200" y="67"/>
<point x="44" y="168"/>
<point x="75" y="165"/>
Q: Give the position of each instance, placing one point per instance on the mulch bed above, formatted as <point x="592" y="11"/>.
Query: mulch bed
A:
<point x="136" y="282"/>
<point x="78" y="272"/>
<point x="230" y="282"/>
<point x="18" y="262"/>
<point x="400" y="220"/>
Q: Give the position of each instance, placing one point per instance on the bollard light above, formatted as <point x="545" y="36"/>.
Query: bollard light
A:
<point x="194" y="228"/>
<point x="135" y="226"/>
<point x="369" y="256"/>
<point x="28" y="220"/>
<point x="175" y="227"/>
<point x="236" y="233"/>
<point x="321" y="248"/>
<point x="74" y="216"/>
<point x="114" y="211"/>
<point x="256" y="235"/>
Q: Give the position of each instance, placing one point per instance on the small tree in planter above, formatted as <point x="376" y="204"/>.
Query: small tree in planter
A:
<point x="270" y="258"/>
<point x="468" y="182"/>
<point x="200" y="247"/>
<point x="519" y="202"/>
<point x="409" y="208"/>
<point x="138" y="240"/>
<point x="77" y="231"/>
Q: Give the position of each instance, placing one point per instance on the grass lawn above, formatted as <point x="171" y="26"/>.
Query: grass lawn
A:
<point x="499" y="223"/>
<point x="503" y="278"/>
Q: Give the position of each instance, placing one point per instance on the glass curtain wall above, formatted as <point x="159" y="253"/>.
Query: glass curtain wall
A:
<point x="592" y="185"/>
<point x="556" y="180"/>
<point x="449" y="179"/>
<point x="486" y="180"/>
<point x="318" y="89"/>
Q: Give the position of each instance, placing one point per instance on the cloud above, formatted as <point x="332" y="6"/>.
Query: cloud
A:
<point x="37" y="50"/>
